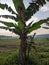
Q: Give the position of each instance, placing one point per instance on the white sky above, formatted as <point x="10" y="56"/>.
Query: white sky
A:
<point x="41" y="14"/>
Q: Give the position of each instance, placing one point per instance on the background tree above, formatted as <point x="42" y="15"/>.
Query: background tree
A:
<point x="21" y="17"/>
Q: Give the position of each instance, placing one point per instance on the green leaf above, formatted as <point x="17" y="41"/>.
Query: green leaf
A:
<point x="33" y="8"/>
<point x="17" y="3"/>
<point x="7" y="24"/>
<point x="29" y="24"/>
<point x="20" y="25"/>
<point x="17" y="29"/>
<point x="9" y="16"/>
<point x="12" y="30"/>
<point x="41" y="2"/>
<point x="36" y="25"/>
<point x="8" y="8"/>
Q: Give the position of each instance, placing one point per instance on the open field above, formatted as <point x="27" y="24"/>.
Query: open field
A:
<point x="9" y="43"/>
<point x="9" y="52"/>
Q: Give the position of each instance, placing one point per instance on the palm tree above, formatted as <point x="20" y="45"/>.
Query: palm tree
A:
<point x="21" y="17"/>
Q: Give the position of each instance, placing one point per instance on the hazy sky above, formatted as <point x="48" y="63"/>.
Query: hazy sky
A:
<point x="41" y="14"/>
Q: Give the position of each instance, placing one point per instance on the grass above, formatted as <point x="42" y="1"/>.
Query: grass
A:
<point x="9" y="44"/>
<point x="9" y="50"/>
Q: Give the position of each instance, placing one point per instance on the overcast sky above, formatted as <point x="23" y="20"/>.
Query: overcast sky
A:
<point x="41" y="14"/>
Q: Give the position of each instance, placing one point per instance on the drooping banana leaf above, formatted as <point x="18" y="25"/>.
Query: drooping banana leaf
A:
<point x="17" y="29"/>
<point x="36" y="25"/>
<point x="33" y="8"/>
<point x="9" y="24"/>
<point x="12" y="30"/>
<point x="2" y="6"/>
<point x="9" y="16"/>
<point x="29" y="24"/>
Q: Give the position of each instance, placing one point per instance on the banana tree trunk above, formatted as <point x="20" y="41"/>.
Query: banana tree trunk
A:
<point x="23" y="49"/>
<point x="23" y="37"/>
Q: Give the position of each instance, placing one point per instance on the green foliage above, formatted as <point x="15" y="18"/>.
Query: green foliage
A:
<point x="11" y="57"/>
<point x="41" y="2"/>
<point x="32" y="9"/>
<point x="20" y="25"/>
<point x="9" y="16"/>
<point x="18" y="3"/>
<point x="30" y="43"/>
<point x="7" y="7"/>
<point x="36" y="25"/>
<point x="16" y="28"/>
<point x="16" y="31"/>
<point x="7" y="23"/>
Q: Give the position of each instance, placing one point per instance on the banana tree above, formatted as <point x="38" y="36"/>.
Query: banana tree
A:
<point x="21" y="17"/>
